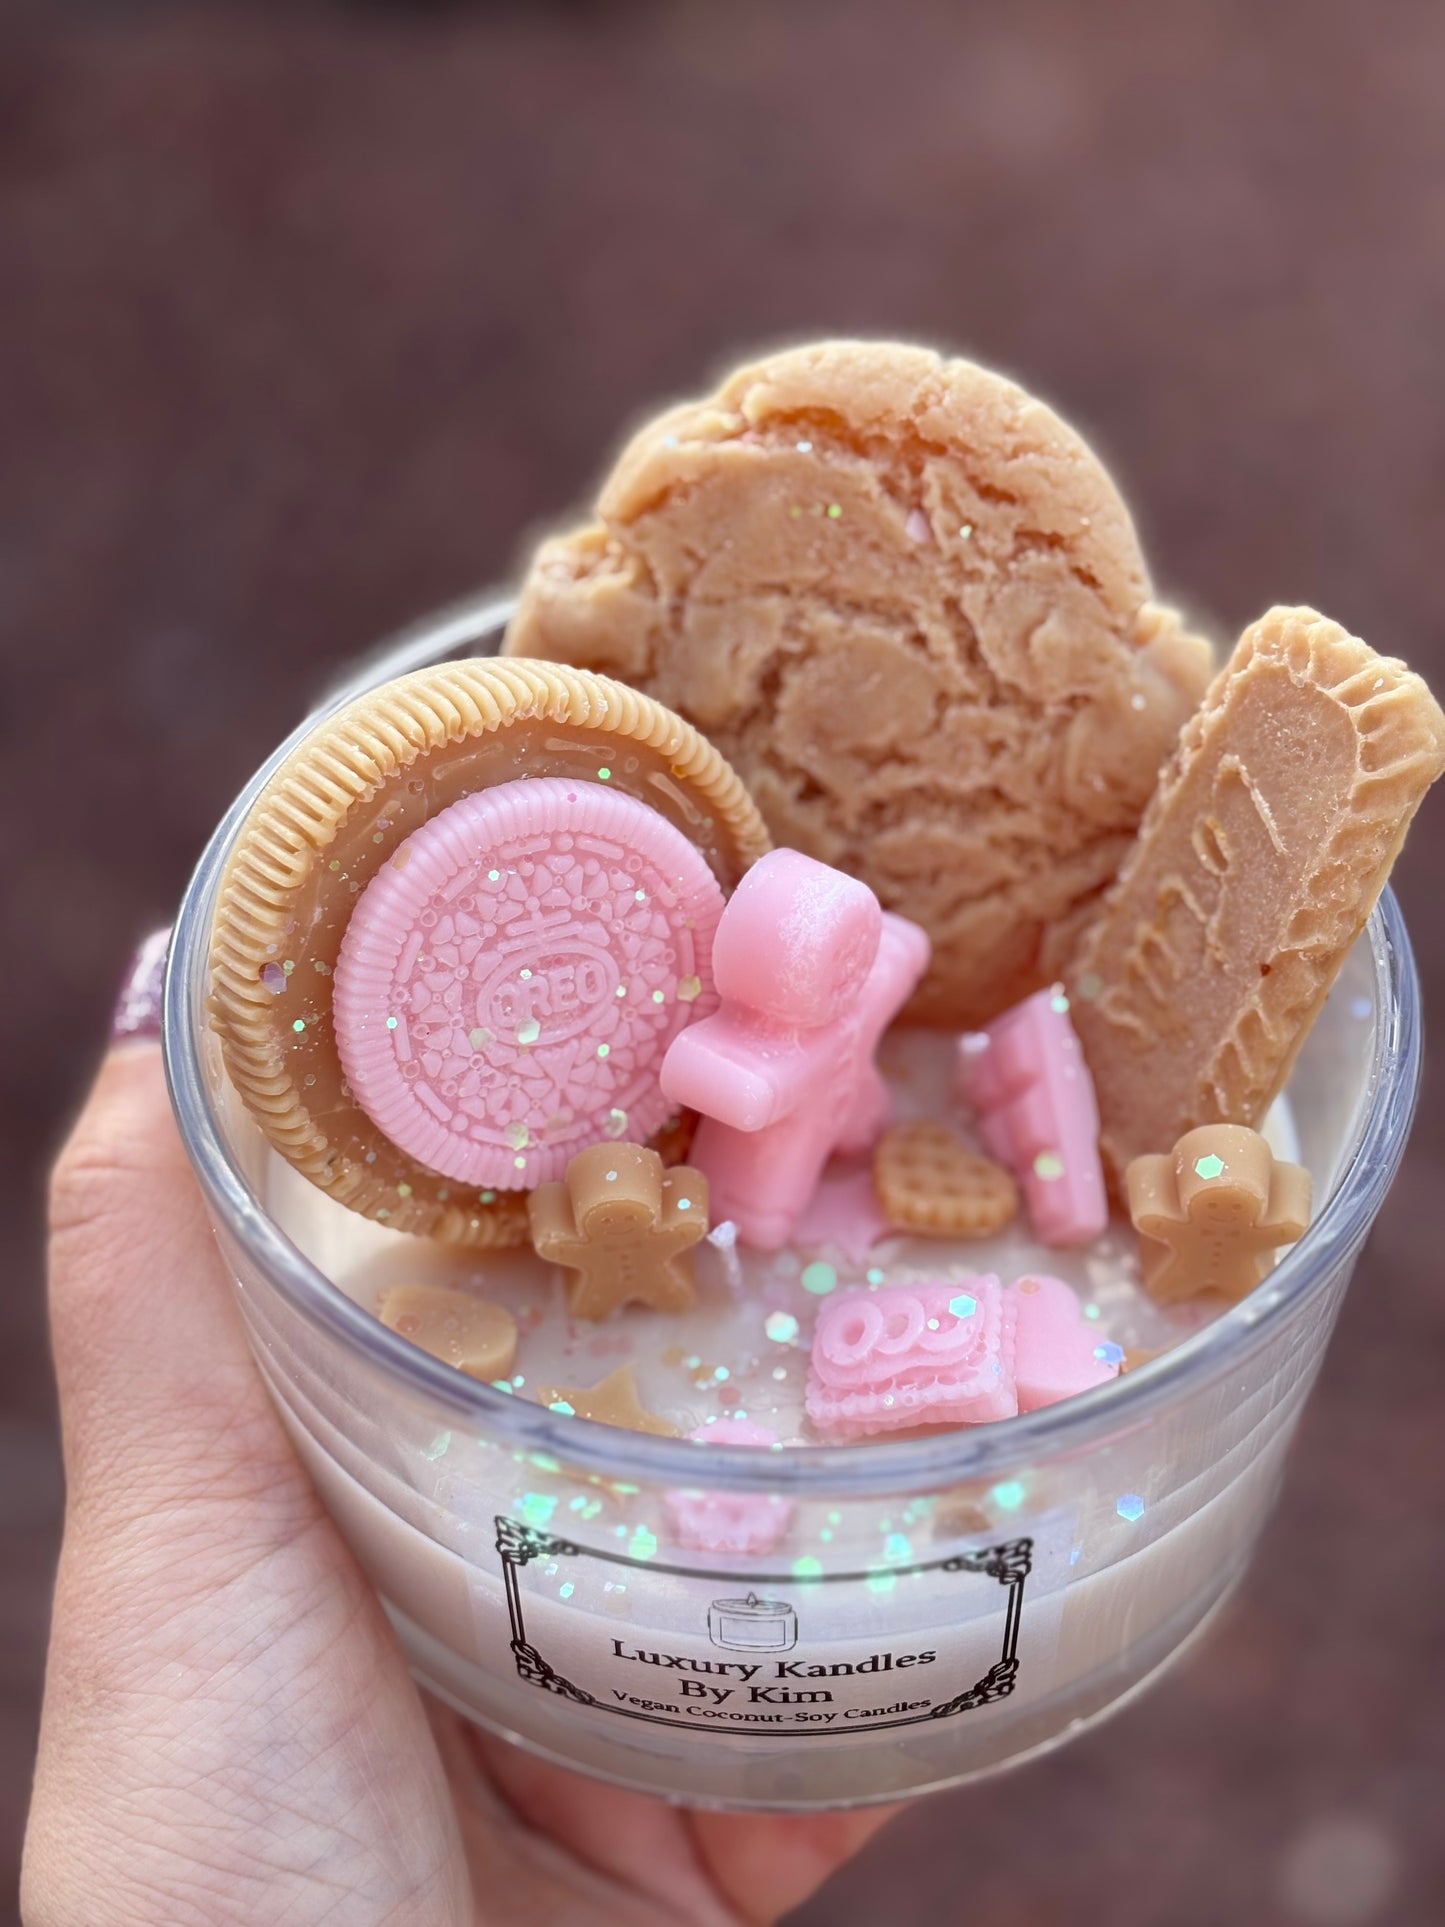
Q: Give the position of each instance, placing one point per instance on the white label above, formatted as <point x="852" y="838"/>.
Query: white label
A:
<point x="778" y="1653"/>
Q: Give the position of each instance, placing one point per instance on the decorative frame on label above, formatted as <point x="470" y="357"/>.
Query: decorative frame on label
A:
<point x="1009" y="1563"/>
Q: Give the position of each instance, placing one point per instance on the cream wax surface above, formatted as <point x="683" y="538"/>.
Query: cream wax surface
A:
<point x="743" y="1348"/>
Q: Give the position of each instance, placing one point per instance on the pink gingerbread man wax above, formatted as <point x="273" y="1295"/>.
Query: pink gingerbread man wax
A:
<point x="1026" y="1078"/>
<point x="914" y="1354"/>
<point x="728" y="1521"/>
<point x="810" y="972"/>
<point x="1056" y="1352"/>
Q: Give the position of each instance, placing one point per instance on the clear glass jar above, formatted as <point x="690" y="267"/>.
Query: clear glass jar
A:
<point x="945" y="1606"/>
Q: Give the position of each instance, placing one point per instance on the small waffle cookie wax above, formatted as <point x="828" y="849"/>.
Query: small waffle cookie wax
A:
<point x="930" y="1183"/>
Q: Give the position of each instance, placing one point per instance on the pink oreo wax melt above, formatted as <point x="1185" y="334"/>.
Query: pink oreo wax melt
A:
<point x="512" y="978"/>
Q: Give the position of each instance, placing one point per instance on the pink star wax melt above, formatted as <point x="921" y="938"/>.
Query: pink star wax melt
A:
<point x="512" y="978"/>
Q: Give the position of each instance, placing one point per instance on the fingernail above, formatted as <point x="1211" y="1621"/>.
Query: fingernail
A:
<point x="138" y="1009"/>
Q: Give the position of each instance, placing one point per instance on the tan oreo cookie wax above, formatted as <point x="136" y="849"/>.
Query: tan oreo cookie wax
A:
<point x="339" y="809"/>
<point x="908" y="604"/>
<point x="1263" y="852"/>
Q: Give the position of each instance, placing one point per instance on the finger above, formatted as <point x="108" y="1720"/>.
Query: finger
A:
<point x="697" y="1866"/>
<point x="765" y="1864"/>
<point x="150" y="1355"/>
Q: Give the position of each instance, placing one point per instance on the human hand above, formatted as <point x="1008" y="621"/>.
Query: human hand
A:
<point x="230" y="1732"/>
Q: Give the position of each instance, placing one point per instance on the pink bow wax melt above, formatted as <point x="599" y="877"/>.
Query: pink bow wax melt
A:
<point x="721" y="1521"/>
<point x="919" y="1354"/>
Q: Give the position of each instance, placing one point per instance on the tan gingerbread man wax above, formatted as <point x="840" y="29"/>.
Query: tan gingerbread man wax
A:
<point x="625" y="1225"/>
<point x="1212" y="1212"/>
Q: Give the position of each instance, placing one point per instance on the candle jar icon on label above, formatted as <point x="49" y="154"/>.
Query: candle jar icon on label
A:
<point x="753" y="1625"/>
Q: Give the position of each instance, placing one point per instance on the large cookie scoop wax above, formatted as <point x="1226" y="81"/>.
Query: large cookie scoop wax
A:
<point x="907" y="604"/>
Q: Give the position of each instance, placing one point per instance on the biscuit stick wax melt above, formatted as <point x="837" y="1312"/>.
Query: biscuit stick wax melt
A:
<point x="1267" y="844"/>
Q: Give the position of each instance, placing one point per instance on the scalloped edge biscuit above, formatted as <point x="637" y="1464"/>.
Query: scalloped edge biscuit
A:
<point x="930" y="1183"/>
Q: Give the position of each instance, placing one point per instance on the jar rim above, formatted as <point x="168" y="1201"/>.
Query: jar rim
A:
<point x="974" y="1453"/>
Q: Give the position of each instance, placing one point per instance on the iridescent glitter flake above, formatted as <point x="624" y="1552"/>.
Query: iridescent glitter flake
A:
<point x="1048" y="1164"/>
<point x="874" y="1275"/>
<point x="1209" y="1167"/>
<point x="643" y="1544"/>
<point x="529" y="1032"/>
<point x="964" y="1306"/>
<point x="1109" y="1353"/>
<point x="1010" y="1495"/>
<point x="807" y="1568"/>
<point x="781" y="1326"/>
<point x="1130" y="1506"/>
<point x="819" y="1278"/>
<point x="614" y="1124"/>
<point x="689" y="989"/>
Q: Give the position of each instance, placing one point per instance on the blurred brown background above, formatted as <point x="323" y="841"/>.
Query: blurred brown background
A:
<point x="310" y="313"/>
